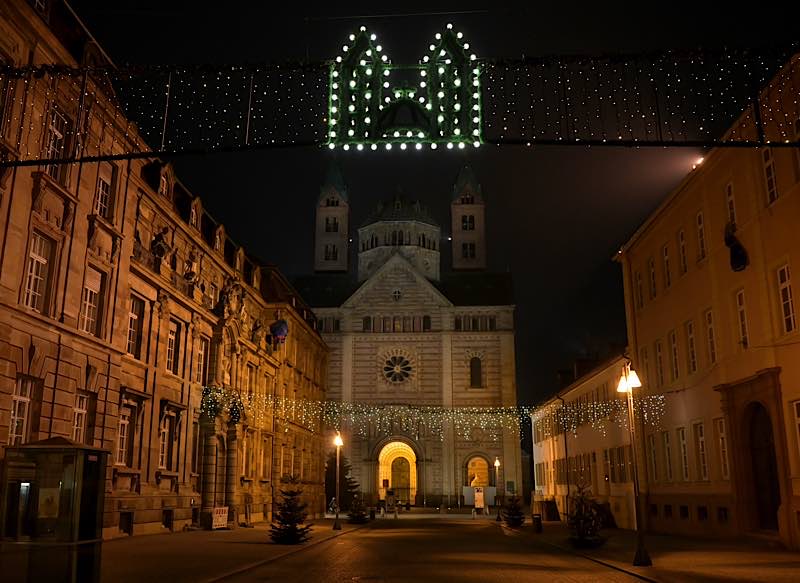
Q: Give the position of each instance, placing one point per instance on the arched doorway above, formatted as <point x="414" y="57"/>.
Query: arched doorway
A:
<point x="478" y="472"/>
<point x="397" y="471"/>
<point x="767" y="497"/>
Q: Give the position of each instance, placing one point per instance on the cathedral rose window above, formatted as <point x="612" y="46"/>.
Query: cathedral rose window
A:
<point x="397" y="369"/>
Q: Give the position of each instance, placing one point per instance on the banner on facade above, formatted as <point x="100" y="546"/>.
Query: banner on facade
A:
<point x="479" y="503"/>
<point x="220" y="517"/>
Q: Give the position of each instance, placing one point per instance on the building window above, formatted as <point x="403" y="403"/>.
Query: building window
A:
<point x="722" y="441"/>
<point x="666" y="267"/>
<point x="124" y="441"/>
<point x="56" y="145"/>
<point x="742" y="319"/>
<point x="682" y="252"/>
<point x="173" y="346"/>
<point x="700" y="450"/>
<point x="468" y="250"/>
<point x="201" y="370"/>
<point x="251" y="383"/>
<point x="644" y="363"/>
<point x="39" y="272"/>
<point x="691" y="349"/>
<point x="666" y="443"/>
<point x="475" y="373"/>
<point x="89" y="319"/>
<point x="711" y="338"/>
<point x="426" y="323"/>
<point x="80" y="413"/>
<point x="787" y="303"/>
<point x="331" y="253"/>
<point x="20" y="411"/>
<point x="366" y="324"/>
<point x="673" y="356"/>
<point x="248" y="453"/>
<point x="163" y="185"/>
<point x="331" y="225"/>
<point x="467" y="222"/>
<point x="701" y="237"/>
<point x="266" y="454"/>
<point x="195" y="446"/>
<point x="659" y="363"/>
<point x="769" y="175"/>
<point x="621" y="464"/>
<point x="683" y="449"/>
<point x="135" y="326"/>
<point x="193" y="217"/>
<point x="639" y="290"/>
<point x="165" y="430"/>
<point x="6" y="93"/>
<point x="651" y="445"/>
<point x="104" y="197"/>
<point x="730" y="204"/>
<point x="651" y="267"/>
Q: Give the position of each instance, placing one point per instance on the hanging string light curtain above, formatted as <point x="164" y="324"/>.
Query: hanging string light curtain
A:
<point x="484" y="423"/>
<point x="672" y="99"/>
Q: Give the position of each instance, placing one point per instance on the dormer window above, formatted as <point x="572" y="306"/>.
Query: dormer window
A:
<point x="193" y="217"/>
<point x="163" y="185"/>
<point x="397" y="205"/>
<point x="217" y="241"/>
<point x="467" y="199"/>
<point x="332" y="201"/>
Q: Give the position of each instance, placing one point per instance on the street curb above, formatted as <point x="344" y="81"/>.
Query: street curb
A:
<point x="299" y="549"/>
<point x="587" y="557"/>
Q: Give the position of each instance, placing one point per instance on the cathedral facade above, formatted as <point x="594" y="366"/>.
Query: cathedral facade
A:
<point x="403" y="330"/>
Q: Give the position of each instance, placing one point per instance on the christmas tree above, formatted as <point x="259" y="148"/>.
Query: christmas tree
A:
<point x="348" y="487"/>
<point x="584" y="522"/>
<point x="512" y="513"/>
<point x="288" y="527"/>
<point x="358" y="512"/>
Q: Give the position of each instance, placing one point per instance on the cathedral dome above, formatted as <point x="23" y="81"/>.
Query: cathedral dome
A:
<point x="400" y="209"/>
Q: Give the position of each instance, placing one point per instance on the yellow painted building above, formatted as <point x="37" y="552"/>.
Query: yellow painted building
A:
<point x="711" y="280"/>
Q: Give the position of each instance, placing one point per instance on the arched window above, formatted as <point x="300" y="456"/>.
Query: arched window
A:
<point x="366" y="324"/>
<point x="394" y="237"/>
<point x="478" y="472"/>
<point x="475" y="372"/>
<point x="426" y="323"/>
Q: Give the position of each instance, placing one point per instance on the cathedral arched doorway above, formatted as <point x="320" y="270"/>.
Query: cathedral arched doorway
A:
<point x="478" y="471"/>
<point x="397" y="471"/>
<point x="764" y="467"/>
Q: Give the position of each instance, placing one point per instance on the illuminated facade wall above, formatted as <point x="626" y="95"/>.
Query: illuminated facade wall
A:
<point x="710" y="291"/>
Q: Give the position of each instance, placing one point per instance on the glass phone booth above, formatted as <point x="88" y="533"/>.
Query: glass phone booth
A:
<point x="52" y="512"/>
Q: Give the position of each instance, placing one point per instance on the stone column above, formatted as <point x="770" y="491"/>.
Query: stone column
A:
<point x="232" y="474"/>
<point x="209" y="473"/>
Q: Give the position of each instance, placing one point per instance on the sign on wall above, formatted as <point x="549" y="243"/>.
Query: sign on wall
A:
<point x="373" y="102"/>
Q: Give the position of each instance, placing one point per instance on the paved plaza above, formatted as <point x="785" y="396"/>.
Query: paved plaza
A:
<point x="435" y="548"/>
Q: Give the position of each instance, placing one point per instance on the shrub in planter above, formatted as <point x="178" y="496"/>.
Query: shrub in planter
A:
<point x="585" y="520"/>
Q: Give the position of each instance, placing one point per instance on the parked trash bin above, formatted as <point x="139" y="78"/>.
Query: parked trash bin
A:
<point x="537" y="523"/>
<point x="372" y="514"/>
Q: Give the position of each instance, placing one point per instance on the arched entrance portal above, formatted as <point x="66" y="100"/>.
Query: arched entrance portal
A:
<point x="397" y="468"/>
<point x="765" y="467"/>
<point x="478" y="471"/>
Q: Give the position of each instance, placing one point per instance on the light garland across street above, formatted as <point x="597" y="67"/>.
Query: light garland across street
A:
<point x="483" y="423"/>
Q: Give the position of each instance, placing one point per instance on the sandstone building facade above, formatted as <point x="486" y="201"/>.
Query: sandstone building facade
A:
<point x="129" y="318"/>
<point x="403" y="330"/>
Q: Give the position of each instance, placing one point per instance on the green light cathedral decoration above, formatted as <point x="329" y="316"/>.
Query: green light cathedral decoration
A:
<point x="373" y="102"/>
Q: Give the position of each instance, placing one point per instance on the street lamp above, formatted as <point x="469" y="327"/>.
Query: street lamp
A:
<point x="627" y="382"/>
<point x="337" y="441"/>
<point x="497" y="484"/>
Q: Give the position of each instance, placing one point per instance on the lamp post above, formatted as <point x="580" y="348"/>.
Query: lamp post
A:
<point x="627" y="382"/>
<point x="497" y="485"/>
<point x="337" y="441"/>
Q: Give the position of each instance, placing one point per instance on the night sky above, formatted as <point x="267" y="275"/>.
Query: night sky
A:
<point x="556" y="215"/>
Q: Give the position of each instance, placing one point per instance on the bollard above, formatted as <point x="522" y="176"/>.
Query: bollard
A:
<point x="537" y="523"/>
<point x="372" y="514"/>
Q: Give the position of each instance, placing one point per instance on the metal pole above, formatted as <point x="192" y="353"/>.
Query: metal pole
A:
<point x="641" y="558"/>
<point x="336" y="524"/>
<point x="497" y="490"/>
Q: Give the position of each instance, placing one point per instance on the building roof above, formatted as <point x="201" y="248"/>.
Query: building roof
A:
<point x="326" y="290"/>
<point x="331" y="290"/>
<point x="334" y="180"/>
<point x="400" y="208"/>
<point x="466" y="181"/>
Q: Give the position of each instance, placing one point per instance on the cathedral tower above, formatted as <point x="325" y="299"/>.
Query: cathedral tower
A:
<point x="332" y="228"/>
<point x="468" y="215"/>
